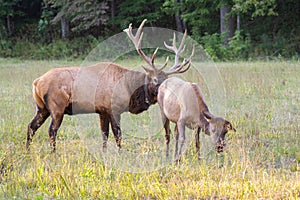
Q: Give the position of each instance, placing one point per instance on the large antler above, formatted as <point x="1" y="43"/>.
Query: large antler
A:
<point x="178" y="67"/>
<point x="137" y="41"/>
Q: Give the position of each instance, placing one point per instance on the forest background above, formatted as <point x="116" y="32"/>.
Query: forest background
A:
<point x="227" y="29"/>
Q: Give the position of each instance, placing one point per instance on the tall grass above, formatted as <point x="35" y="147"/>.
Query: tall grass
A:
<point x="261" y="160"/>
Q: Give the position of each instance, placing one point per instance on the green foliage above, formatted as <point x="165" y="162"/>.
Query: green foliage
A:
<point x="255" y="7"/>
<point x="3" y="31"/>
<point x="78" y="48"/>
<point x="8" y="8"/>
<point x="6" y="48"/>
<point x="267" y="28"/>
<point x="136" y="11"/>
<point x="83" y="15"/>
<point x="202" y="18"/>
<point x="94" y="14"/>
<point x="239" y="46"/>
<point x="45" y="19"/>
<point x="213" y="45"/>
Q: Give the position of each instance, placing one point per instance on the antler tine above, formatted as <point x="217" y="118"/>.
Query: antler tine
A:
<point x="137" y="41"/>
<point x="164" y="65"/>
<point x="184" y="63"/>
<point x="138" y="36"/>
<point x="182" y="42"/>
<point x="172" y="48"/>
<point x="154" y="56"/>
<point x="139" y="31"/>
<point x="178" y="70"/>
<point x="176" y="50"/>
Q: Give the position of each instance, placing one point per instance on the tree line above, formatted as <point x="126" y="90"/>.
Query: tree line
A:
<point x="227" y="29"/>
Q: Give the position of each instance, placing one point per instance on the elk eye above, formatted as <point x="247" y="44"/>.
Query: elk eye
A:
<point x="155" y="81"/>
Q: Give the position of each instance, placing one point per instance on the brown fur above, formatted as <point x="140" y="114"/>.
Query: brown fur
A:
<point x="105" y="88"/>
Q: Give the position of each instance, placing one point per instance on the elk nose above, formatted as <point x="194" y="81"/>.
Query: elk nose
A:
<point x="220" y="147"/>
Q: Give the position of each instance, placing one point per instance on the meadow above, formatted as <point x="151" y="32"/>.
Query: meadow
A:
<point x="261" y="161"/>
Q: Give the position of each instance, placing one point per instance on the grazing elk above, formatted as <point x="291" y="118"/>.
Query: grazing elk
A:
<point x="182" y="103"/>
<point x="105" y="88"/>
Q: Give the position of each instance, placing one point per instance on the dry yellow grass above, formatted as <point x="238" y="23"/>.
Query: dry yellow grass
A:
<point x="261" y="161"/>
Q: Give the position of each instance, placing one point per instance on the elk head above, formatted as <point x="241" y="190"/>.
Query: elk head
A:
<point x="217" y="128"/>
<point x="156" y="74"/>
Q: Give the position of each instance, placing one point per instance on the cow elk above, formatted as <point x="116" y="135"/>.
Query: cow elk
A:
<point x="105" y="88"/>
<point x="182" y="102"/>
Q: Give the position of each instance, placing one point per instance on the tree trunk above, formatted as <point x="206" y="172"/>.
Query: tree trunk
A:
<point x="227" y="24"/>
<point x="238" y="23"/>
<point x="9" y="26"/>
<point x="113" y="8"/>
<point x="65" y="29"/>
<point x="179" y="23"/>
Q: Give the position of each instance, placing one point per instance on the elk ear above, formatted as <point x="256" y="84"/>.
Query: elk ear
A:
<point x="229" y="126"/>
<point x="208" y="116"/>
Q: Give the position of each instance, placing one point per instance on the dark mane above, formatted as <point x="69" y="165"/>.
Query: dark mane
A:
<point x="140" y="100"/>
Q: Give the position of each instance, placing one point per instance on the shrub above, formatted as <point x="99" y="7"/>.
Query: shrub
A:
<point x="213" y="45"/>
<point x="5" y="48"/>
<point x="239" y="46"/>
<point x="76" y="48"/>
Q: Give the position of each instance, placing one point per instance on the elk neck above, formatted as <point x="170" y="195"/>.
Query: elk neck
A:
<point x="142" y="97"/>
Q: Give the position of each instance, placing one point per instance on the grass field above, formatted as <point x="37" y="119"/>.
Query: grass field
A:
<point x="262" y="159"/>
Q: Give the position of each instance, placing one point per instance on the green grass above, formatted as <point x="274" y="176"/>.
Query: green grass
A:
<point x="262" y="160"/>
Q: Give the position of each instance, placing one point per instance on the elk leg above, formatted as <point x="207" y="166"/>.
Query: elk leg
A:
<point x="104" y="123"/>
<point x="38" y="120"/>
<point x="197" y="138"/>
<point x="57" y="119"/>
<point x="176" y="142"/>
<point x="168" y="131"/>
<point x="180" y="140"/>
<point x="115" y="126"/>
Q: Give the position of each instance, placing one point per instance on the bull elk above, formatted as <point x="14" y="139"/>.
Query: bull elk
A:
<point x="182" y="102"/>
<point x="105" y="88"/>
